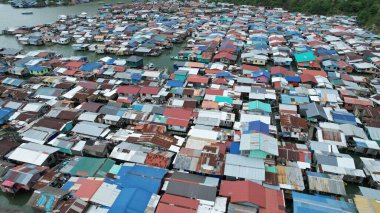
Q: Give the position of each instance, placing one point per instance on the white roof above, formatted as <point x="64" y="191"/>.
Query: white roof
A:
<point x="244" y="167"/>
<point x="137" y="153"/>
<point x="252" y="117"/>
<point x="32" y="153"/>
<point x="88" y="116"/>
<point x="33" y="107"/>
<point x="259" y="141"/>
<point x="374" y="133"/>
<point x="106" y="194"/>
<point x="70" y="94"/>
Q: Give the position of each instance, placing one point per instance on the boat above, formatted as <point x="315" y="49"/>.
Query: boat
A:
<point x="27" y="13"/>
<point x="176" y="58"/>
<point x="151" y="66"/>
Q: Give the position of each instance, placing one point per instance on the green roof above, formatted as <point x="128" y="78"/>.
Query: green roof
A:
<point x="271" y="169"/>
<point x="337" y="82"/>
<point x="221" y="99"/>
<point x="304" y="57"/>
<point x="92" y="167"/>
<point x="115" y="169"/>
<point x="258" y="154"/>
<point x="259" y="105"/>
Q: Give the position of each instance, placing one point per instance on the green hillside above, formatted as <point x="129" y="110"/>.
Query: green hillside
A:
<point x="367" y="11"/>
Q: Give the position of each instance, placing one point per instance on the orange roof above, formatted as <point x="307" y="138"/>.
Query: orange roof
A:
<point x="195" y="65"/>
<point x="362" y="102"/>
<point x="197" y="79"/>
<point x="210" y="105"/>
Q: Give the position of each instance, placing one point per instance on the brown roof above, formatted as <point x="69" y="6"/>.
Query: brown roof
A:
<point x="26" y="116"/>
<point x="372" y="112"/>
<point x="293" y="121"/>
<point x="7" y="145"/>
<point x="91" y="106"/>
<point x="68" y="115"/>
<point x="158" y="139"/>
<point x="52" y="123"/>
<point x="64" y="85"/>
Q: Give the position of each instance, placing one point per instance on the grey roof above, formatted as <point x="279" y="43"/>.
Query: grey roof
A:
<point x="90" y="128"/>
<point x="109" y="110"/>
<point x="206" y="188"/>
<point x="312" y="110"/>
<point x="326" y="183"/>
<point x="134" y="58"/>
<point x="370" y="193"/>
<point x="24" y="60"/>
<point x="192" y="191"/>
<point x="158" y="110"/>
<point x="244" y="167"/>
<point x="10" y="51"/>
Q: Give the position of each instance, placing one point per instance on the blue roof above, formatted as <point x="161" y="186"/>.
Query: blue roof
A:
<point x="137" y="107"/>
<point x="90" y="67"/>
<point x="343" y="118"/>
<point x="235" y="148"/>
<point x="110" y="61"/>
<point x="257" y="126"/>
<point x="294" y="99"/>
<point x="293" y="78"/>
<point x="36" y="68"/>
<point x="330" y="52"/>
<point x="140" y="177"/>
<point x="260" y="73"/>
<point x="320" y="204"/>
<point x="131" y="200"/>
<point x="224" y="74"/>
<point x="5" y="112"/>
<point x="136" y="76"/>
<point x="174" y="83"/>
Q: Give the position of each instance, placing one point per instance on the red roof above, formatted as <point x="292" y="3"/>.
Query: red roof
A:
<point x="197" y="79"/>
<point x="74" y="64"/>
<point x="177" y="122"/>
<point x="281" y="70"/>
<point x="315" y="73"/>
<point x="150" y="90"/>
<point x="305" y="78"/>
<point x="119" y="68"/>
<point x="87" y="188"/>
<point x="221" y="81"/>
<point x="243" y="192"/>
<point x="224" y="55"/>
<point x="213" y="71"/>
<point x="269" y="200"/>
<point x="250" y="67"/>
<point x="210" y="91"/>
<point x="132" y="90"/>
<point x="173" y="203"/>
<point x="180" y="113"/>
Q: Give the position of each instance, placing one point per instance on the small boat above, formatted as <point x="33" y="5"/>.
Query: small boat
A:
<point x="27" y="13"/>
<point x="151" y="66"/>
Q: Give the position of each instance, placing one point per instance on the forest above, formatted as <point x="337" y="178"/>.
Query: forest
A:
<point x="367" y="11"/>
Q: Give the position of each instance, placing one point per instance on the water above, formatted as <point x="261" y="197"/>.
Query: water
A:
<point x="10" y="17"/>
<point x="11" y="204"/>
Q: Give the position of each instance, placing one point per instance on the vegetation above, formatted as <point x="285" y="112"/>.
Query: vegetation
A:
<point x="367" y="11"/>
